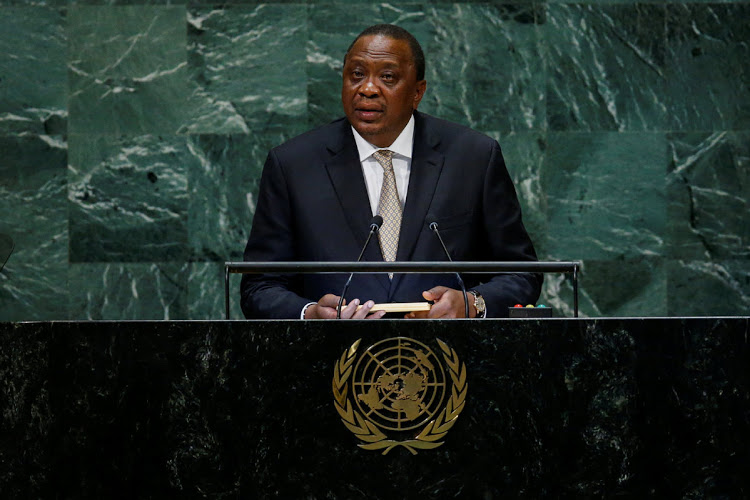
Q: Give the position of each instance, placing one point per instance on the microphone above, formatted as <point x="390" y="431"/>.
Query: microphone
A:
<point x="375" y="224"/>
<point x="434" y="227"/>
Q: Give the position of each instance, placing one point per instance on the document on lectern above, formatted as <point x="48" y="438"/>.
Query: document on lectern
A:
<point x="394" y="307"/>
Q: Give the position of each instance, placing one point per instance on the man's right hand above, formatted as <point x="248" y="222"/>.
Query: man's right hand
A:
<point x="326" y="309"/>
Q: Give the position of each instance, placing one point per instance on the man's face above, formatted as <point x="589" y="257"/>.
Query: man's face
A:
<point x="380" y="88"/>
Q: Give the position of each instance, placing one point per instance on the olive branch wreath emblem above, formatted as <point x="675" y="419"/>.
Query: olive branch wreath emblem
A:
<point x="374" y="438"/>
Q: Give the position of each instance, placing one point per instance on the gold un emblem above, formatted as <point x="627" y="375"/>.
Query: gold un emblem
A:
<point x="396" y="393"/>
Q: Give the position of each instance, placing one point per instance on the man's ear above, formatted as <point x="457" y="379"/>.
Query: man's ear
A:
<point x="421" y="87"/>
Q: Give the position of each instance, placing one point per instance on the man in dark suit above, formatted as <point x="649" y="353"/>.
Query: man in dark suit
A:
<point x="319" y="192"/>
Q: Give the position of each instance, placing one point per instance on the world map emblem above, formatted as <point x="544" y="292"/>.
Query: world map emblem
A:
<point x="398" y="393"/>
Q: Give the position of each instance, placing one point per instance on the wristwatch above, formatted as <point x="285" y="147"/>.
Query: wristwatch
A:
<point x="479" y="304"/>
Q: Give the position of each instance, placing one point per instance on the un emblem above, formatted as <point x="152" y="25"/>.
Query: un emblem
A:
<point x="397" y="393"/>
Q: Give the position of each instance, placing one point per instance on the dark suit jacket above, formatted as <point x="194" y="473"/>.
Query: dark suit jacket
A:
<point x="313" y="206"/>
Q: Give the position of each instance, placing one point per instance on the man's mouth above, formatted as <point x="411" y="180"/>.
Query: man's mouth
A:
<point x="368" y="113"/>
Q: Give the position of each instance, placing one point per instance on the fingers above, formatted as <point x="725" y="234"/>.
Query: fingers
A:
<point x="449" y="305"/>
<point x="376" y="315"/>
<point x="352" y="312"/>
<point x="322" y="312"/>
<point x="324" y="309"/>
<point x="329" y="300"/>
<point x="316" y="311"/>
<point x="441" y="309"/>
<point x="435" y="293"/>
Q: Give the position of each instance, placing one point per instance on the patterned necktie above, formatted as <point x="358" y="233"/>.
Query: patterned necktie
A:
<point x="389" y="208"/>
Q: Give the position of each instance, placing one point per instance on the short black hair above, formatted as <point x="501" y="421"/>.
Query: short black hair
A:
<point x="396" y="33"/>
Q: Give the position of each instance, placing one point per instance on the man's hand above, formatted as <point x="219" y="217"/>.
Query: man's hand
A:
<point x="326" y="309"/>
<point x="448" y="303"/>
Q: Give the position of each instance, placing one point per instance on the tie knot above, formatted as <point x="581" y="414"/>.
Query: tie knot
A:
<point x="383" y="156"/>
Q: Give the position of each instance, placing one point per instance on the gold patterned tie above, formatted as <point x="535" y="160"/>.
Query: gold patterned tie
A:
<point x="389" y="207"/>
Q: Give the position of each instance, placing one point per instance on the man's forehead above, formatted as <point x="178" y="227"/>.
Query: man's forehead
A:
<point x="382" y="48"/>
<point x="382" y="59"/>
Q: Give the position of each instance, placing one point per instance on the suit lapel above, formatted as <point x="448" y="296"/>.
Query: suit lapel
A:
<point x="345" y="172"/>
<point x="426" y="166"/>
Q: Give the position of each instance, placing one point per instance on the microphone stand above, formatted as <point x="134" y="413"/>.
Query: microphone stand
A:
<point x="434" y="227"/>
<point x="375" y="224"/>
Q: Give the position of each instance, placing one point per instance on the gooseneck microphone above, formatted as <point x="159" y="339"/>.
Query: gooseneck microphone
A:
<point x="434" y="227"/>
<point x="375" y="224"/>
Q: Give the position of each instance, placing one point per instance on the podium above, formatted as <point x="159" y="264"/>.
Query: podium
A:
<point x="247" y="409"/>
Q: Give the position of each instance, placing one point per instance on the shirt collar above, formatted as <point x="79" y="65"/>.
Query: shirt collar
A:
<point x="402" y="146"/>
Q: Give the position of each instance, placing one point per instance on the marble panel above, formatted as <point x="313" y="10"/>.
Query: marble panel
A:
<point x="224" y="3"/>
<point x="606" y="195"/>
<point x="679" y="2"/>
<point x="32" y="3"/>
<point x="247" y="69"/>
<point x="33" y="190"/>
<point x="708" y="188"/>
<point x="93" y="2"/>
<point x="606" y="67"/>
<point x="127" y="69"/>
<point x="708" y="288"/>
<point x="605" y="2"/>
<point x="524" y="157"/>
<point x="400" y="3"/>
<point x="128" y="2"/>
<point x="223" y="184"/>
<point x="125" y="291"/>
<point x="496" y="2"/>
<point x="128" y="198"/>
<point x="634" y="287"/>
<point x="33" y="71"/>
<point x="558" y="293"/>
<point x="708" y="70"/>
<point x="630" y="287"/>
<point x="206" y="292"/>
<point x="484" y="68"/>
<point x="331" y="30"/>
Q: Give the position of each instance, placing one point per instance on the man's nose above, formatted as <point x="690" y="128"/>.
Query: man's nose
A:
<point x="369" y="88"/>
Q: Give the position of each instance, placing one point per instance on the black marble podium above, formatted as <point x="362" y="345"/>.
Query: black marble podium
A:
<point x="555" y="408"/>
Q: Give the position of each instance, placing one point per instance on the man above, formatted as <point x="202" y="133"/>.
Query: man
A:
<point x="319" y="192"/>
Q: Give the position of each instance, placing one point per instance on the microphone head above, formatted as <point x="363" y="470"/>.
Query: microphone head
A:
<point x="376" y="222"/>
<point x="432" y="224"/>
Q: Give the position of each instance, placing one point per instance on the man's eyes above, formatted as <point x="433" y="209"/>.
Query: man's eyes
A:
<point x="386" y="77"/>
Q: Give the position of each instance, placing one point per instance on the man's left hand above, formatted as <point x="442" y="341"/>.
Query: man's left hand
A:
<point x="448" y="303"/>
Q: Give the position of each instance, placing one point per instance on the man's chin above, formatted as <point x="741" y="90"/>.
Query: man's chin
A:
<point x="367" y="129"/>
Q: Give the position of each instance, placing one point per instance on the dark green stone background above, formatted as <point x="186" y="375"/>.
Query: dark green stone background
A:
<point x="132" y="136"/>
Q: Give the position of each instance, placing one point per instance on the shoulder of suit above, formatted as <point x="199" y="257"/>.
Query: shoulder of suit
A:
<point x="313" y="140"/>
<point x="450" y="132"/>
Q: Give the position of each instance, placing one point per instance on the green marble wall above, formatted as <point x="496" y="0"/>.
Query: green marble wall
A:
<point x="132" y="135"/>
